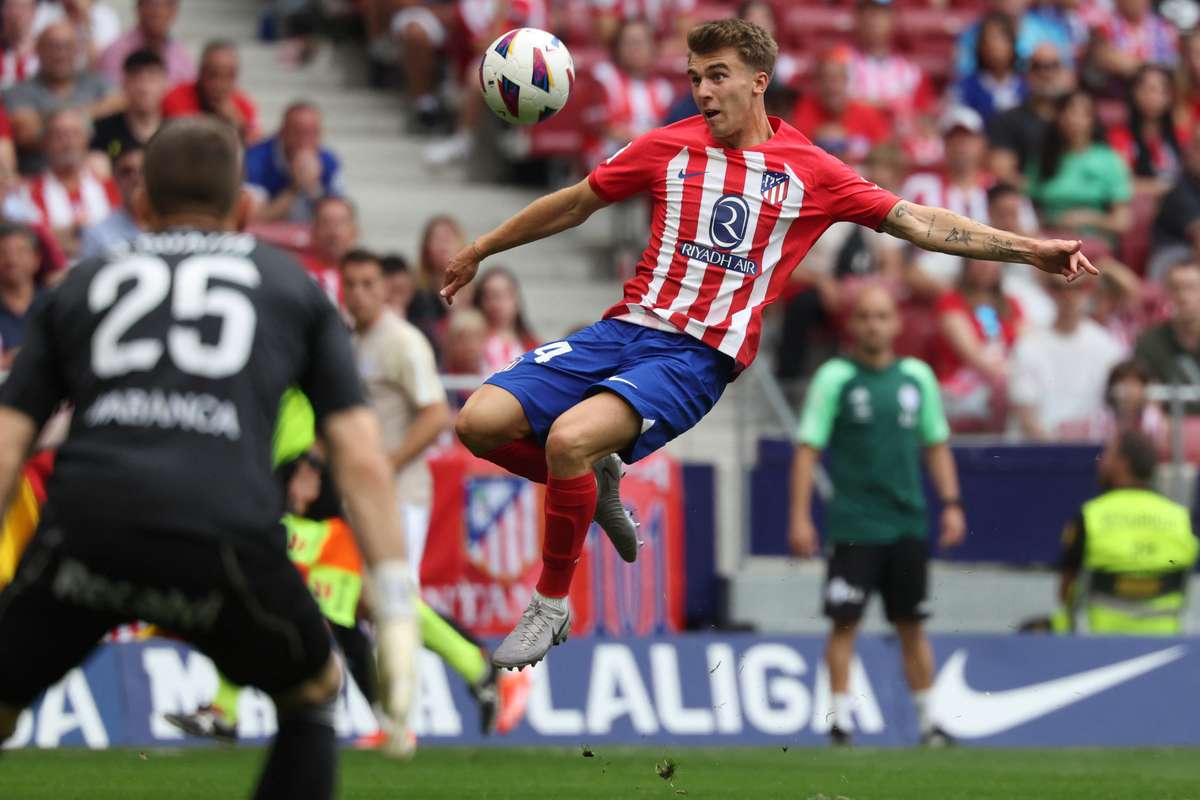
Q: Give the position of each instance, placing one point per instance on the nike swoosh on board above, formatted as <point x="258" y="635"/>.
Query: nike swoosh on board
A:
<point x="970" y="714"/>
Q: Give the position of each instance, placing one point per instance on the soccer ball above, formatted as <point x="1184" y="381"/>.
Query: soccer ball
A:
<point x="526" y="76"/>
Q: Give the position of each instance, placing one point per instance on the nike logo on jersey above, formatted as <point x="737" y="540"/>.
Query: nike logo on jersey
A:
<point x="972" y="714"/>
<point x="683" y="176"/>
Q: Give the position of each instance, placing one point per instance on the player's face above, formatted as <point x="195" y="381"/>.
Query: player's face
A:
<point x="875" y="322"/>
<point x="725" y="89"/>
<point x="364" y="291"/>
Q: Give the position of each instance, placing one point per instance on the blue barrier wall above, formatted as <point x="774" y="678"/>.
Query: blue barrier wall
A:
<point x="1017" y="499"/>
<point x="707" y="689"/>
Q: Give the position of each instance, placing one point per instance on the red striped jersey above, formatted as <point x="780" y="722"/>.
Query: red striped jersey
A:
<point x="16" y="66"/>
<point x="727" y="226"/>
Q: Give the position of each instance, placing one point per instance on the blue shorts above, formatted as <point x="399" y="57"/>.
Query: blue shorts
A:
<point x="670" y="379"/>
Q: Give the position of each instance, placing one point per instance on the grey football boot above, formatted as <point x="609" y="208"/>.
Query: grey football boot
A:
<point x="543" y="625"/>
<point x="610" y="512"/>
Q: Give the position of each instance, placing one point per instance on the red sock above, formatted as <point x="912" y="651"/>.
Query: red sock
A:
<point x="570" y="506"/>
<point x="523" y="457"/>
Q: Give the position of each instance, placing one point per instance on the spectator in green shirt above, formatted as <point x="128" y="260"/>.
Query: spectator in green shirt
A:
<point x="877" y="414"/>
<point x="1081" y="185"/>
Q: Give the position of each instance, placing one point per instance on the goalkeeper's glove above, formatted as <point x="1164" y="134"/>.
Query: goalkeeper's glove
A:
<point x="399" y="636"/>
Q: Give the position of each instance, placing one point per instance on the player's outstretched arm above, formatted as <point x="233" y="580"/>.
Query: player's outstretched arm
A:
<point x="544" y="217"/>
<point x="946" y="232"/>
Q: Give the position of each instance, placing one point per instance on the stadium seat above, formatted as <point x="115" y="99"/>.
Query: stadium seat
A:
<point x="815" y="28"/>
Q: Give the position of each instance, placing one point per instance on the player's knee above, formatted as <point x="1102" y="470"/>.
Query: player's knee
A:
<point x="474" y="435"/>
<point x="566" y="445"/>
<point x="319" y="689"/>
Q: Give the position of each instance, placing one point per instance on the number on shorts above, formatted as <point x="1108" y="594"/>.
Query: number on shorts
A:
<point x="549" y="351"/>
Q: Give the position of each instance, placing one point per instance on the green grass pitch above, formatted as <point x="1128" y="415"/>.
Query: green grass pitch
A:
<point x="797" y="773"/>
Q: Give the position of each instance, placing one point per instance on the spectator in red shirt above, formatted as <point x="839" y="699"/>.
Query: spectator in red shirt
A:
<point x="1188" y="110"/>
<point x="882" y="77"/>
<point x="1150" y="142"/>
<point x="1132" y="35"/>
<point x="846" y="128"/>
<point x="69" y="194"/>
<point x="334" y="233"/>
<point x="152" y="32"/>
<point x="978" y="324"/>
<point x="216" y="92"/>
<point x="498" y="297"/>
<point x="961" y="186"/>
<point x="635" y="101"/>
<point x="18" y="42"/>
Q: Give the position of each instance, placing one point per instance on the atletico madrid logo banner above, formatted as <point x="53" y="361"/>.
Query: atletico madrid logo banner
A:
<point x="485" y="541"/>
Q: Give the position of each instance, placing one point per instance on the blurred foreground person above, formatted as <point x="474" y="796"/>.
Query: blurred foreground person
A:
<point x="162" y="506"/>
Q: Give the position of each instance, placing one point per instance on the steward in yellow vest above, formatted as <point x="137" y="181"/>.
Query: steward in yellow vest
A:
<point x="1129" y="554"/>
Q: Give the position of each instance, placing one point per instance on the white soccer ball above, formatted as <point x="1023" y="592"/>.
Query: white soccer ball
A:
<point x="526" y="76"/>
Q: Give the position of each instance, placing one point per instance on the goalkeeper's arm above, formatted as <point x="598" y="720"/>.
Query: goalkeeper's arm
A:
<point x="544" y="217"/>
<point x="364" y="477"/>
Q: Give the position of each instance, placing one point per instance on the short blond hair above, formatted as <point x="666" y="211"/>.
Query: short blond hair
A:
<point x="752" y="43"/>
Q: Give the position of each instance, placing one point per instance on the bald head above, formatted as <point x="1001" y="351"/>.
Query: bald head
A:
<point x="194" y="166"/>
<point x="874" y="321"/>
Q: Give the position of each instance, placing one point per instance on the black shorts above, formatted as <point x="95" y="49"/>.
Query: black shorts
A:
<point x="899" y="571"/>
<point x="245" y="606"/>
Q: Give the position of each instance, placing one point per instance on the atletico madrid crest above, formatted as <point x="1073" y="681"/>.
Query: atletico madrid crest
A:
<point x="774" y="187"/>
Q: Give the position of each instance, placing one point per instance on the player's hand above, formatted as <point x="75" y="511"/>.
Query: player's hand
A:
<point x="399" y="644"/>
<point x="1062" y="257"/>
<point x="954" y="527"/>
<point x="802" y="538"/>
<point x="460" y="271"/>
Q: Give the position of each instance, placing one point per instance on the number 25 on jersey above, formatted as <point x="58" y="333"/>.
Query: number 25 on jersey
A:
<point x="192" y="298"/>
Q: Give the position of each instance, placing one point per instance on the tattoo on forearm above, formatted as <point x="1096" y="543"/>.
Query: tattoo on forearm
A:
<point x="901" y="210"/>
<point x="956" y="235"/>
<point x="1000" y="247"/>
<point x="932" y="219"/>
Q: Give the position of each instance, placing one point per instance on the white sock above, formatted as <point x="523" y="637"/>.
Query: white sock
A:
<point x="921" y="702"/>
<point x="843" y="705"/>
<point x="559" y="603"/>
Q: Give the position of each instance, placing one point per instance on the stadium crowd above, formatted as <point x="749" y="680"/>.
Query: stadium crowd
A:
<point x="1076" y="118"/>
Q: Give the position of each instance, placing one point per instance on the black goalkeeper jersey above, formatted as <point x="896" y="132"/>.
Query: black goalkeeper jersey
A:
<point x="174" y="355"/>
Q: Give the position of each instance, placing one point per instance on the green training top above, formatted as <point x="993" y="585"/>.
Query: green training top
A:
<point x="875" y="423"/>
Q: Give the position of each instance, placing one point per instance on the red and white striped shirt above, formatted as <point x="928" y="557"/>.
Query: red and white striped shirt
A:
<point x="16" y="66"/>
<point x="892" y="83"/>
<point x="633" y="103"/>
<point x="90" y="202"/>
<point x="934" y="189"/>
<point x="728" y="226"/>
